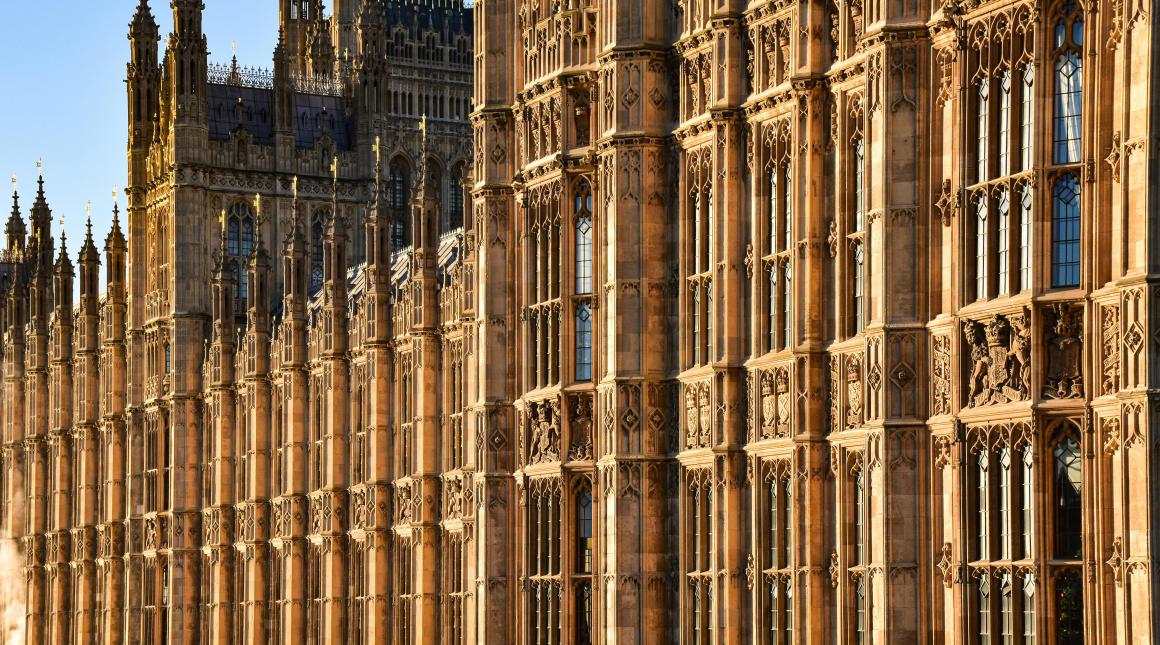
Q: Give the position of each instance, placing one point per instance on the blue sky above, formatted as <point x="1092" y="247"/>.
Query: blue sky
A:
<point x="63" y="97"/>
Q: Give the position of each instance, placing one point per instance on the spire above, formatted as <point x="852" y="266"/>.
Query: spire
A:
<point x="63" y="261"/>
<point x="89" y="248"/>
<point x="115" y="241"/>
<point x="15" y="231"/>
<point x="115" y="252"/>
<point x="143" y="24"/>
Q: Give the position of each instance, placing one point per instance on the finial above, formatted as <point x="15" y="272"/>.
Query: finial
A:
<point x="13" y="183"/>
<point x="378" y="148"/>
<point x="40" y="167"/>
<point x="89" y="209"/>
<point x="115" y="195"/>
<point x="234" y="48"/>
<point x="334" y="169"/>
<point x="294" y="186"/>
<point x="61" y="222"/>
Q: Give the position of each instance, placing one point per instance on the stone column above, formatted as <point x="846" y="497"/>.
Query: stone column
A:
<point x="896" y="339"/>
<point x="490" y="424"/>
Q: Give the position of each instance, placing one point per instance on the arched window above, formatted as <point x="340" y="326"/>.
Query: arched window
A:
<point x="1067" y="482"/>
<point x="983" y="113"/>
<point x="455" y="203"/>
<point x="1029" y="609"/>
<point x="1065" y="232"/>
<point x="584" y="531"/>
<point x="981" y="248"/>
<point x="584" y="342"/>
<point x="982" y="505"/>
<point x="1004" y="503"/>
<point x="859" y="184"/>
<point x="859" y="518"/>
<point x="861" y="626"/>
<point x="774" y="196"/>
<point x="400" y="182"/>
<point x="1069" y="607"/>
<point x="1027" y="122"/>
<point x="1068" y="105"/>
<point x="787" y="219"/>
<point x="983" y="598"/>
<point x="583" y="241"/>
<point x="787" y="305"/>
<point x="318" y="226"/>
<point x="1027" y="495"/>
<point x="858" y="296"/>
<point x="1005" y="122"/>
<point x="1003" y="264"/>
<point x="239" y="245"/>
<point x="1025" y="238"/>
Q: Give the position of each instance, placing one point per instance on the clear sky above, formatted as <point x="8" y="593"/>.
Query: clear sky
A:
<point x="63" y="95"/>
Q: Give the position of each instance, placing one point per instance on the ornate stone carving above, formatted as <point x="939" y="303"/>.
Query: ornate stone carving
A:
<point x="1000" y="361"/>
<point x="1110" y="341"/>
<point x="940" y="371"/>
<point x="544" y="431"/>
<point x="580" y="424"/>
<point x="775" y="403"/>
<point x="853" y="391"/>
<point x="946" y="566"/>
<point x="1064" y="350"/>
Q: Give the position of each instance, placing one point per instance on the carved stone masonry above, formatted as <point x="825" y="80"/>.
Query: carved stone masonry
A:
<point x="544" y="431"/>
<point x="1064" y="349"/>
<point x="1000" y="360"/>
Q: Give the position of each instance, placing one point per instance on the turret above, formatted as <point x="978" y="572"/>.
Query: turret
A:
<point x="296" y="279"/>
<point x="319" y="47"/>
<point x="342" y="23"/>
<point x="90" y="261"/>
<point x="378" y="257"/>
<point x="334" y="273"/>
<point x="39" y="262"/>
<point x="141" y="77"/>
<point x="371" y="62"/>
<point x="63" y="274"/>
<point x="295" y="19"/>
<point x="225" y="273"/>
<point x="186" y="60"/>
<point x="258" y="274"/>
<point x="15" y="231"/>
<point x="116" y="251"/>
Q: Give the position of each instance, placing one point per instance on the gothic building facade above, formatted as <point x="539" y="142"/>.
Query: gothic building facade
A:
<point x="605" y="321"/>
